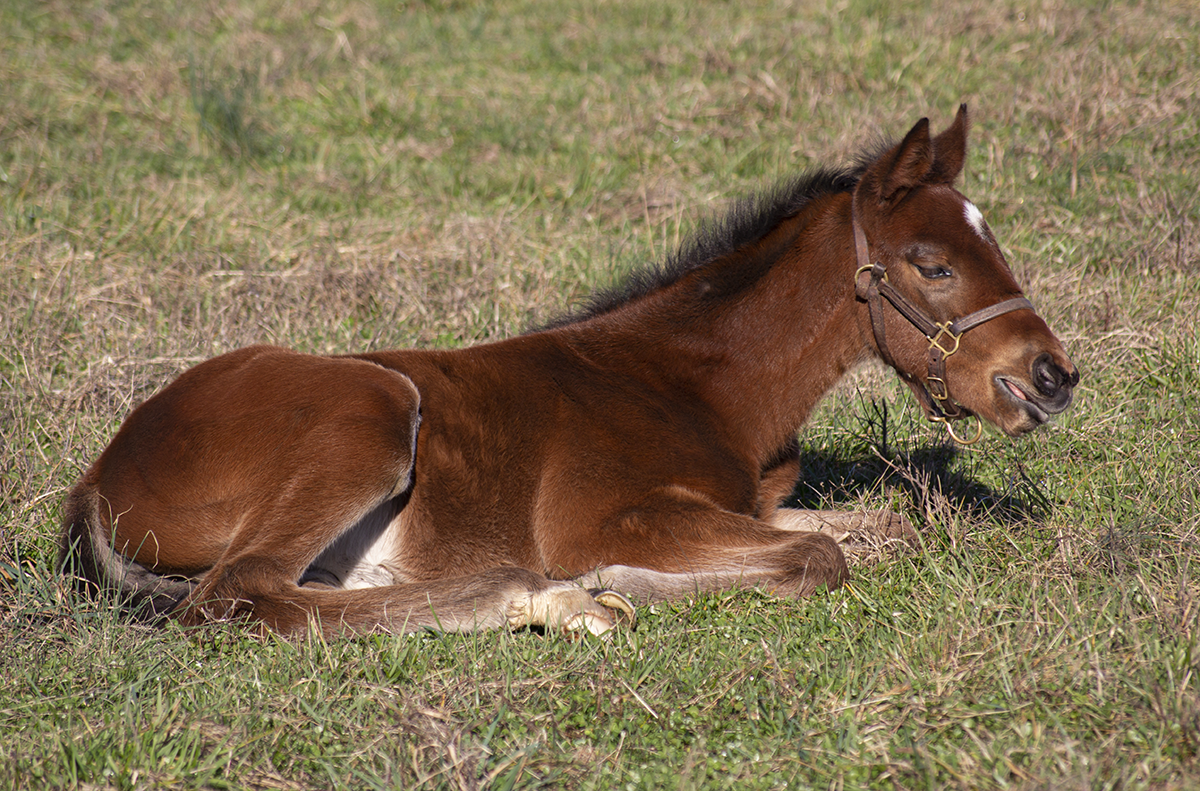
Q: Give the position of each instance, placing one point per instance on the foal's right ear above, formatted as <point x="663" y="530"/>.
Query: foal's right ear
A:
<point x="950" y="150"/>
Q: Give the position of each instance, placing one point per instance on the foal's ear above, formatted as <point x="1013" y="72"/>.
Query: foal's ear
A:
<point x="901" y="168"/>
<point x="919" y="160"/>
<point x="950" y="150"/>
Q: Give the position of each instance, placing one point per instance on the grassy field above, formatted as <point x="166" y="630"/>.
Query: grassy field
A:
<point x="180" y="179"/>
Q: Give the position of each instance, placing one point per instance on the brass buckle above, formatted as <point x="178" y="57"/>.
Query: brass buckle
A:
<point x="939" y="390"/>
<point x="944" y="329"/>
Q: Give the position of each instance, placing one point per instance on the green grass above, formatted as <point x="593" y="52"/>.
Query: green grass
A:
<point x="180" y="179"/>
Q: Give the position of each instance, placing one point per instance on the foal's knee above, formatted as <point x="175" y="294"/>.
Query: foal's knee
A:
<point x="815" y="562"/>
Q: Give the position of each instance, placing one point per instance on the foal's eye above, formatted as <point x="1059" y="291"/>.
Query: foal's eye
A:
<point x="934" y="272"/>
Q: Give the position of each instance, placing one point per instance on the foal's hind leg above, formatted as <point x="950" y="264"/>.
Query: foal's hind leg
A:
<point x="504" y="596"/>
<point x="304" y="449"/>
<point x="258" y="578"/>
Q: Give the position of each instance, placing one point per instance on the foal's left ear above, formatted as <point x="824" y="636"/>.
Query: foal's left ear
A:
<point x="919" y="160"/>
<point x="950" y="150"/>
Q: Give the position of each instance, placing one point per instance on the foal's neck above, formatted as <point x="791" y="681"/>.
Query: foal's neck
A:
<point x="759" y="336"/>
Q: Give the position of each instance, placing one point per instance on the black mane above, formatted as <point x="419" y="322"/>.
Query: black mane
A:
<point x="747" y="221"/>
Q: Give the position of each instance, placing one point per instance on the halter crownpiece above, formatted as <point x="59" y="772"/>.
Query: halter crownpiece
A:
<point x="943" y="337"/>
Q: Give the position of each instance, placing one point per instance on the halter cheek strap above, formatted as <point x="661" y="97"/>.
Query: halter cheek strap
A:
<point x="943" y="337"/>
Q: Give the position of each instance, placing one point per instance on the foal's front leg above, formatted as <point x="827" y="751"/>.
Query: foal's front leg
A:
<point x="675" y="542"/>
<point x="879" y="525"/>
<point x="778" y="481"/>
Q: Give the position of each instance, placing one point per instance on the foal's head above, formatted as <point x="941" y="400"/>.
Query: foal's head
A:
<point x="928" y="244"/>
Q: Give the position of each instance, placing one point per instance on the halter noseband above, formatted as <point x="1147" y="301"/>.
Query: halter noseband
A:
<point x="943" y="337"/>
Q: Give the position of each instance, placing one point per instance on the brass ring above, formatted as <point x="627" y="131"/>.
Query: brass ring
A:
<point x="870" y="268"/>
<point x="960" y="440"/>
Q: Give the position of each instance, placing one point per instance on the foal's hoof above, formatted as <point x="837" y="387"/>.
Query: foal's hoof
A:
<point x="896" y="527"/>
<point x="599" y="621"/>
<point x="574" y="610"/>
<point x="624" y="609"/>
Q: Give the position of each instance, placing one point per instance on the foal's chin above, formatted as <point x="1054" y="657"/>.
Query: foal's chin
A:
<point x="1018" y="424"/>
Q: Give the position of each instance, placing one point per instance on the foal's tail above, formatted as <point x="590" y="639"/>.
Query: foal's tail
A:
<point x="86" y="554"/>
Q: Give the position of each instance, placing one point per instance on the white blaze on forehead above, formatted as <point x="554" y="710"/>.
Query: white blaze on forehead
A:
<point x="975" y="218"/>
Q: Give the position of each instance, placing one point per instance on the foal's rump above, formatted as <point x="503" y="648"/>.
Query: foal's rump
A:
<point x="259" y="456"/>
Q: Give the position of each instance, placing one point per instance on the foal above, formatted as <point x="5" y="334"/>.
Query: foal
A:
<point x="641" y="447"/>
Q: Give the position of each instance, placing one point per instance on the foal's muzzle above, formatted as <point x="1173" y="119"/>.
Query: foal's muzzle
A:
<point x="1051" y="391"/>
<point x="1052" y="381"/>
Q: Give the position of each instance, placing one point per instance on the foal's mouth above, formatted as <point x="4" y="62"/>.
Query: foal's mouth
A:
<point x="1026" y="398"/>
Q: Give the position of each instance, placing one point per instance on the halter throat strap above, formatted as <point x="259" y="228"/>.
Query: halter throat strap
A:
<point x="944" y="338"/>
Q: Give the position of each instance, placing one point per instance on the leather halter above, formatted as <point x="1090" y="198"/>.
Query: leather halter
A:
<point x="944" y="337"/>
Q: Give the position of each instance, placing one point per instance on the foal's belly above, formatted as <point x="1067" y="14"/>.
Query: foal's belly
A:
<point x="363" y="556"/>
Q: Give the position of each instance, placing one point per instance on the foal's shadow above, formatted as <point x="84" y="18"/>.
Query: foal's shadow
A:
<point x="926" y="472"/>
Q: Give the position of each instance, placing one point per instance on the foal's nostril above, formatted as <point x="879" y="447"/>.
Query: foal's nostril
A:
<point x="1048" y="378"/>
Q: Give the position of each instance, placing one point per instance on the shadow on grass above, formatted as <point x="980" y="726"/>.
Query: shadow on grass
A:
<point x="932" y="475"/>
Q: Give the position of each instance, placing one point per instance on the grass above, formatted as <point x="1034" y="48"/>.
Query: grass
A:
<point x="177" y="180"/>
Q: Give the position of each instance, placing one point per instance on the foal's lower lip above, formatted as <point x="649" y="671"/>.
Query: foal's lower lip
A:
<point x="1018" y="392"/>
<point x="1030" y="406"/>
